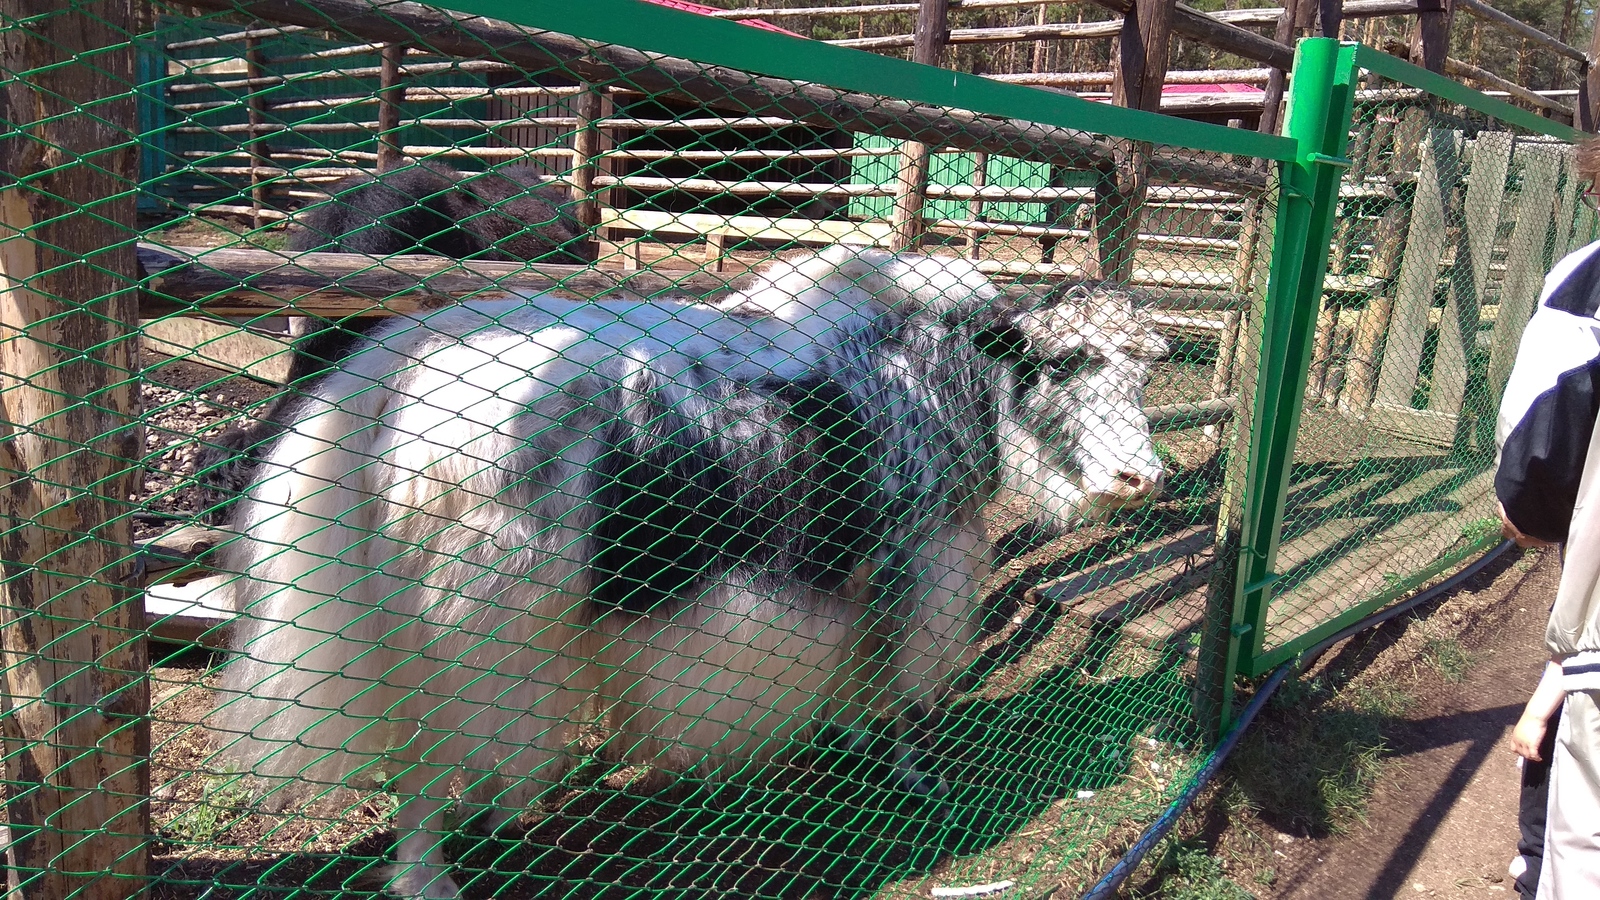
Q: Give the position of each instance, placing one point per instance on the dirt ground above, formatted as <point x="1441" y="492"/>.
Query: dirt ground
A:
<point x="1442" y="821"/>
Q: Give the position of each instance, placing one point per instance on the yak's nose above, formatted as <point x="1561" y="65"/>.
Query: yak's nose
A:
<point x="1135" y="486"/>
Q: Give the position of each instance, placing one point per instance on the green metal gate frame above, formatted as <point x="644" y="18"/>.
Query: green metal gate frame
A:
<point x="1321" y="105"/>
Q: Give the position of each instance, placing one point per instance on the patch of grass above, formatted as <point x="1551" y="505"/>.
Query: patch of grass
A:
<point x="1167" y="456"/>
<point x="1383" y="699"/>
<point x="1193" y="874"/>
<point x="1446" y="656"/>
<point x="1310" y="768"/>
<point x="223" y="801"/>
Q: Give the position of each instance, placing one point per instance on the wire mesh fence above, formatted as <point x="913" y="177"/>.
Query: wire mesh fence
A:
<point x="1448" y="219"/>
<point x="662" y="457"/>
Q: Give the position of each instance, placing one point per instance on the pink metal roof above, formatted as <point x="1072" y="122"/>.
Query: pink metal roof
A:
<point x="703" y="10"/>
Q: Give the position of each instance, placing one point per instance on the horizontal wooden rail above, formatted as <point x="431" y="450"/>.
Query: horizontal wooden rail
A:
<point x="1466" y="70"/>
<point x="1065" y="31"/>
<point x="820" y="106"/>
<point x="1091" y="79"/>
<point x="869" y="9"/>
<point x="229" y="282"/>
<point x="479" y="66"/>
<point x="236" y="36"/>
<point x="1352" y="10"/>
<point x="236" y="282"/>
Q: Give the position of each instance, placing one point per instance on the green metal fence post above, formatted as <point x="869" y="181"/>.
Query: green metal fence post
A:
<point x="1319" y="115"/>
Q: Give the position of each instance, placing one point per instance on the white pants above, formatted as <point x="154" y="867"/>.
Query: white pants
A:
<point x="1572" y="832"/>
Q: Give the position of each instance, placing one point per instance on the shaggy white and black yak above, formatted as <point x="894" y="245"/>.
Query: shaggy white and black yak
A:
<point x="703" y="530"/>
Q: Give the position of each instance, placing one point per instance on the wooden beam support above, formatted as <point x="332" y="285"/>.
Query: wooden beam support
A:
<point x="1589" y="85"/>
<point x="911" y="183"/>
<point x="74" y="693"/>
<point x="260" y="154"/>
<point x="1139" y="71"/>
<point x="391" y="93"/>
<point x="1430" y="39"/>
<point x="1272" y="103"/>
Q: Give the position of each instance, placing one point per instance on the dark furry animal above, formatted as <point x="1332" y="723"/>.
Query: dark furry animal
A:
<point x="508" y="214"/>
<point x="512" y="213"/>
<point x="706" y="530"/>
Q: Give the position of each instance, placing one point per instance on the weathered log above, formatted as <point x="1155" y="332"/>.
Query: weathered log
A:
<point x="257" y="282"/>
<point x="1490" y="14"/>
<point x="1192" y="23"/>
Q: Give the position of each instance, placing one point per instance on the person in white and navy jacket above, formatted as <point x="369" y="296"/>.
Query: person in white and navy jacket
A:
<point x="1548" y="485"/>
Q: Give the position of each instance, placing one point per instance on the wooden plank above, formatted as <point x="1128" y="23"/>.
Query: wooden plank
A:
<point x="74" y="690"/>
<point x="761" y="228"/>
<point x="1526" y="256"/>
<point x="1469" y="277"/>
<point x="1403" y="546"/>
<point x="220" y="345"/>
<point x="1419" y="269"/>
<point x="230" y="282"/>
<point x="1436" y="429"/>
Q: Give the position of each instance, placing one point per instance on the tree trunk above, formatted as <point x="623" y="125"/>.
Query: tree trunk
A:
<point x="74" y="727"/>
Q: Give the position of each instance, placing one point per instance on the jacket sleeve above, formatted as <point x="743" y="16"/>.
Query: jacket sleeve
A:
<point x="1548" y="411"/>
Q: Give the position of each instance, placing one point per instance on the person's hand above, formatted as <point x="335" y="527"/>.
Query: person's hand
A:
<point x="1511" y="533"/>
<point x="1527" y="736"/>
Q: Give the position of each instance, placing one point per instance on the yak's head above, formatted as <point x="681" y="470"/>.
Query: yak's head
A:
<point x="1066" y="370"/>
<point x="1075" y="438"/>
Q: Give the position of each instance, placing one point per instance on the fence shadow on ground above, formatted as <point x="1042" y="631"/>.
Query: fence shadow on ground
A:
<point x="835" y="828"/>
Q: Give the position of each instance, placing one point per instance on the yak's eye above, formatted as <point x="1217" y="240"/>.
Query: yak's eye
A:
<point x="1062" y="367"/>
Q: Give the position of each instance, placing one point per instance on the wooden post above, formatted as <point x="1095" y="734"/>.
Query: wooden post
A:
<point x="1430" y="39"/>
<point x="1272" y="102"/>
<point x="980" y="177"/>
<point x="585" y="147"/>
<point x="911" y="185"/>
<point x="1041" y="48"/>
<point x="73" y="690"/>
<point x="1138" y="73"/>
<point x="391" y="93"/>
<point x="260" y="155"/>
<point x="1589" y="87"/>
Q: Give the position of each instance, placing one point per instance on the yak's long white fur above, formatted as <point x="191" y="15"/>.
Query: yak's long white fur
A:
<point x="416" y="563"/>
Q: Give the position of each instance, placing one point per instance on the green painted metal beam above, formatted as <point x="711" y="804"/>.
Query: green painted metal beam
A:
<point x="1321" y="102"/>
<point x="1271" y="659"/>
<point x="645" y="26"/>
<point x="1396" y="69"/>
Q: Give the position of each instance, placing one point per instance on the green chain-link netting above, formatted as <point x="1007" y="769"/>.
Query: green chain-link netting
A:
<point x="728" y="564"/>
